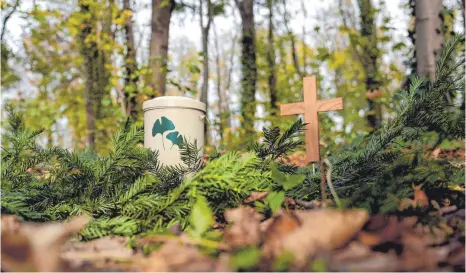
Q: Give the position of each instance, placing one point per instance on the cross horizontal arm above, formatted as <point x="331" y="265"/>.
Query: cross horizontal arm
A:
<point x="292" y="109"/>
<point x="329" y="104"/>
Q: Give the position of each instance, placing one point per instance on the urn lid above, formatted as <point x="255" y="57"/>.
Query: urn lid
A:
<point x="173" y="102"/>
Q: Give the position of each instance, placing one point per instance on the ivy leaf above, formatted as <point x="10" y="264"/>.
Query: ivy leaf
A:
<point x="288" y="181"/>
<point x="201" y="217"/>
<point x="275" y="200"/>
<point x="162" y="126"/>
<point x="175" y="138"/>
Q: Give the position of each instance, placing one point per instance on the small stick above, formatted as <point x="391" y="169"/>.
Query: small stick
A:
<point x="322" y="182"/>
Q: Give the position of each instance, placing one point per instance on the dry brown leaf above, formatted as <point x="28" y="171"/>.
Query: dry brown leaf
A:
<point x="266" y="224"/>
<point x="104" y="252"/>
<point x="380" y="229"/>
<point x="223" y="263"/>
<point x="245" y="230"/>
<point x="37" y="247"/>
<point x="256" y="196"/>
<point x="10" y="224"/>
<point x="280" y="226"/>
<point x="184" y="239"/>
<point x="420" y="199"/>
<point x="376" y="262"/>
<point x="173" y="256"/>
<point x="357" y="257"/>
<point x="322" y="230"/>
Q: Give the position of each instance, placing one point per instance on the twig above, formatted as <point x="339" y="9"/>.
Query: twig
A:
<point x="446" y="210"/>
<point x="322" y="182"/>
<point x="330" y="185"/>
<point x="308" y="204"/>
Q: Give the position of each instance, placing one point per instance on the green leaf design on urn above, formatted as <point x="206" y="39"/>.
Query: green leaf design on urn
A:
<point x="163" y="125"/>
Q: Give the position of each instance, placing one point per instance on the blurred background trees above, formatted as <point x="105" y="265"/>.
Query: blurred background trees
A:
<point x="81" y="67"/>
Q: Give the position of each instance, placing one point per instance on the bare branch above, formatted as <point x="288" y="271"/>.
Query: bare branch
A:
<point x="7" y="17"/>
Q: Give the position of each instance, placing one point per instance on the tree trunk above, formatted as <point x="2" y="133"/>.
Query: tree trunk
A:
<point x="205" y="60"/>
<point x="160" y="26"/>
<point x="90" y="53"/>
<point x="271" y="62"/>
<point x="103" y="74"/>
<point x="369" y="58"/>
<point x="429" y="38"/>
<point x="248" y="65"/>
<point x="292" y="38"/>
<point x="218" y="74"/>
<point x="131" y="77"/>
<point x="223" y="108"/>
<point x="304" y="45"/>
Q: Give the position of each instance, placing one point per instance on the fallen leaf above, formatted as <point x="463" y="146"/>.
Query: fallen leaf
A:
<point x="256" y="196"/>
<point x="322" y="230"/>
<point x="245" y="228"/>
<point x="357" y="257"/>
<point x="223" y="263"/>
<point x="106" y="252"/>
<point x="37" y="247"/>
<point x="10" y="224"/>
<point x="379" y="229"/>
<point x="420" y="199"/>
<point x="280" y="226"/>
<point x="173" y="256"/>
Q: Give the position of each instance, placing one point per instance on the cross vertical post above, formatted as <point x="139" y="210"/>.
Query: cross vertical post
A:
<point x="310" y="108"/>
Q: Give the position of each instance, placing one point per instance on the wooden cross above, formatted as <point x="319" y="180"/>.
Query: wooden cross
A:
<point x="310" y="108"/>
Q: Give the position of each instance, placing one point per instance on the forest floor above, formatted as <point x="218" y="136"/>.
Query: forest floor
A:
<point x="315" y="238"/>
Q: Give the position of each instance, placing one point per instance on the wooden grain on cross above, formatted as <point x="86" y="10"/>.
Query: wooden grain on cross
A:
<point x="310" y="108"/>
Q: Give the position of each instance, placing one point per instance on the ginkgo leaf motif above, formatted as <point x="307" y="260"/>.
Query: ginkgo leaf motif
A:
<point x="175" y="138"/>
<point x="162" y="125"/>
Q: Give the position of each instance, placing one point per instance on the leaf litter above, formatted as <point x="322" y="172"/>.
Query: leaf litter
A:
<point x="290" y="239"/>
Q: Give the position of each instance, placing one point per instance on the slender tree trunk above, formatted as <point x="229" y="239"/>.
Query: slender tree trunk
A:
<point x="369" y="57"/>
<point x="160" y="26"/>
<point x="271" y="62"/>
<point x="224" y="109"/>
<point x="131" y="77"/>
<point x="305" y="55"/>
<point x="218" y="73"/>
<point x="429" y="36"/>
<point x="90" y="53"/>
<point x="102" y="73"/>
<point x="292" y="38"/>
<point x="205" y="60"/>
<point x="249" y="66"/>
<point x="224" y="91"/>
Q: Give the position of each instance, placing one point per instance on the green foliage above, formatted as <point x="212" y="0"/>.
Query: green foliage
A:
<point x="276" y="145"/>
<point x="275" y="200"/>
<point x="8" y="75"/>
<point x="128" y="191"/>
<point x="288" y="181"/>
<point x="359" y="168"/>
<point x="201" y="217"/>
<point x="246" y="259"/>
